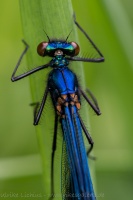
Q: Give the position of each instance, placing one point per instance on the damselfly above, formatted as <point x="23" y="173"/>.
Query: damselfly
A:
<point x="63" y="86"/>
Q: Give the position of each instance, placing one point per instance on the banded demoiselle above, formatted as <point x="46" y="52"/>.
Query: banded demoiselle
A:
<point x="65" y="91"/>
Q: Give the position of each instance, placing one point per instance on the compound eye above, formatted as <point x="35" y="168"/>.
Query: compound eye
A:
<point x="76" y="48"/>
<point x="41" y="48"/>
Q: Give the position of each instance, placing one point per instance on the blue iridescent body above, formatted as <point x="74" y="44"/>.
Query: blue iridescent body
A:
<point x="61" y="78"/>
<point x="62" y="84"/>
<point x="63" y="87"/>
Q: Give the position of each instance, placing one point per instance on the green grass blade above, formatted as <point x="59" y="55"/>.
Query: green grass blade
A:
<point x="55" y="17"/>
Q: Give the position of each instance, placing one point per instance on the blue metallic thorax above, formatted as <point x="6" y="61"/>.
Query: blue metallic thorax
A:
<point x="61" y="79"/>
<point x="59" y="61"/>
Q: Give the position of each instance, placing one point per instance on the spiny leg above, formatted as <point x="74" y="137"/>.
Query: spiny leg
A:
<point x="93" y="105"/>
<point x="100" y="59"/>
<point x="53" y="154"/>
<point x="39" y="107"/>
<point x="36" y="106"/>
<point x="16" y="78"/>
<point x="90" y="40"/>
<point x="94" y="99"/>
<point x="87" y="136"/>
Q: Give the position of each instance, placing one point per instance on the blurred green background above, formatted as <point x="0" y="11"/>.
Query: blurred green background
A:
<point x="109" y="23"/>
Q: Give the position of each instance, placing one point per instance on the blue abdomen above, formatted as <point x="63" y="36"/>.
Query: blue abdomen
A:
<point x="63" y="80"/>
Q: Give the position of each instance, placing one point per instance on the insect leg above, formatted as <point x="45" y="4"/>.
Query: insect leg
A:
<point x="94" y="105"/>
<point x="53" y="154"/>
<point x="87" y="135"/>
<point x="16" y="78"/>
<point x="100" y="59"/>
<point x="39" y="107"/>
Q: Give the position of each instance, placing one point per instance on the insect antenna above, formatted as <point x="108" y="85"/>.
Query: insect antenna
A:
<point x="68" y="36"/>
<point x="46" y="35"/>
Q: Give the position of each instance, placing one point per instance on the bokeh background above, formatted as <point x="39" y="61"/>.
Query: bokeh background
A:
<point x="109" y="23"/>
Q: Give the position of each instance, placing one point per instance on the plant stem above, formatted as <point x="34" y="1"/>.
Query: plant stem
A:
<point x="56" y="18"/>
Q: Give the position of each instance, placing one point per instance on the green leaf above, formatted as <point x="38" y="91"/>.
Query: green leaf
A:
<point x="56" y="19"/>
